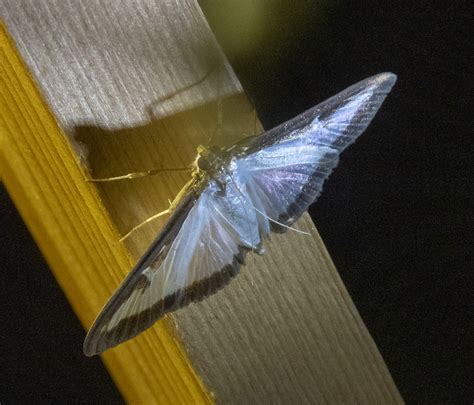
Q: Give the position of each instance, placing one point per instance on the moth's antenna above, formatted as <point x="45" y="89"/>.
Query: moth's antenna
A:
<point x="136" y="175"/>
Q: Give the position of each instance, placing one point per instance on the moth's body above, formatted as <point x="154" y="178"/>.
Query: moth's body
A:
<point x="237" y="196"/>
<point x="212" y="164"/>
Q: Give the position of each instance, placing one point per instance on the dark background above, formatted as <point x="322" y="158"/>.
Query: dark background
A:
<point x="394" y="215"/>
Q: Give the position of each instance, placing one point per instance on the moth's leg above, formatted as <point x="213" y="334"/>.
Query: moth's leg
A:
<point x="254" y="121"/>
<point x="136" y="175"/>
<point x="254" y="116"/>
<point x="245" y="201"/>
<point x="148" y="220"/>
<point x="255" y="131"/>
<point x="172" y="205"/>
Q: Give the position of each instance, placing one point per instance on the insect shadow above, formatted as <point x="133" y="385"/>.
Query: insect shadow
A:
<point x="168" y="143"/>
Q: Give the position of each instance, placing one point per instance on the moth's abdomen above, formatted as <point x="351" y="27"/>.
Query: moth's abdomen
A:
<point x="238" y="214"/>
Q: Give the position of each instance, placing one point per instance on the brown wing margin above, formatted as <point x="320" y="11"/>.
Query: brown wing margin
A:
<point x="96" y="340"/>
<point x="134" y="325"/>
<point x="383" y="83"/>
<point x="100" y="338"/>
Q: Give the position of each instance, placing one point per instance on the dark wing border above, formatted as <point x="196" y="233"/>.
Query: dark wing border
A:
<point x="311" y="191"/>
<point x="268" y="138"/>
<point x="165" y="237"/>
<point x="98" y="340"/>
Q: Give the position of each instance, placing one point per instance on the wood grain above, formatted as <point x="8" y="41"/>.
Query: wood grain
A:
<point x="286" y="330"/>
<point x="67" y="219"/>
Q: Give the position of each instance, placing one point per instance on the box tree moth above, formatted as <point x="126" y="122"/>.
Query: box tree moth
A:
<point x="237" y="196"/>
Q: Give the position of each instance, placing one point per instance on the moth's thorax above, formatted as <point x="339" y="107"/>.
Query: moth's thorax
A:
<point x="210" y="160"/>
<point x="212" y="164"/>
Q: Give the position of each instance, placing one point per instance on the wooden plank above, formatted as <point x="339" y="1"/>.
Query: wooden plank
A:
<point x="65" y="216"/>
<point x="285" y="330"/>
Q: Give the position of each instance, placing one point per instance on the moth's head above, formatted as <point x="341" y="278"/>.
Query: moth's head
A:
<point x="207" y="158"/>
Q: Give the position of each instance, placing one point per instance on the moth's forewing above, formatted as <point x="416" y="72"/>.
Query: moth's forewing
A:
<point x="98" y="338"/>
<point x="196" y="254"/>
<point x="289" y="164"/>
<point x="379" y="85"/>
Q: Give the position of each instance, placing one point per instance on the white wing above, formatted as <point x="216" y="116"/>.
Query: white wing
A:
<point x="205" y="254"/>
<point x="284" y="171"/>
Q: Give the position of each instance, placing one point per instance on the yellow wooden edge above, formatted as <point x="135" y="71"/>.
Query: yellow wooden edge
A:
<point x="65" y="216"/>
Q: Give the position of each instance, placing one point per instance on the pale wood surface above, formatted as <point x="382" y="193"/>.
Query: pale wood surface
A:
<point x="285" y="331"/>
<point x="65" y="216"/>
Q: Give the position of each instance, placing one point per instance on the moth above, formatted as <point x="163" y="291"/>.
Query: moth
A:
<point x="237" y="196"/>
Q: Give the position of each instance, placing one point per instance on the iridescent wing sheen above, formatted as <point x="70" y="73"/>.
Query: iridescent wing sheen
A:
<point x="196" y="256"/>
<point x="270" y="182"/>
<point x="286" y="167"/>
